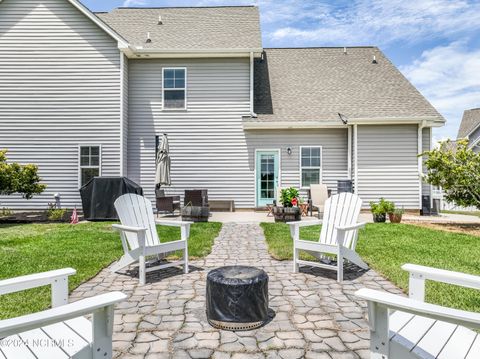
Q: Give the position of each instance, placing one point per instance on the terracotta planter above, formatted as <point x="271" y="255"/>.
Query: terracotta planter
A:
<point x="379" y="218"/>
<point x="395" y="217"/>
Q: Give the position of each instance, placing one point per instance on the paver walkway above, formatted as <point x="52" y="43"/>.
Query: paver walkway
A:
<point x="315" y="317"/>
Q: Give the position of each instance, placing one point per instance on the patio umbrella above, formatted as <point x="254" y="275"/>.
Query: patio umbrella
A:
<point x="162" y="173"/>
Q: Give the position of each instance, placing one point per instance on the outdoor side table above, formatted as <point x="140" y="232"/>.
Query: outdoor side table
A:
<point x="237" y="298"/>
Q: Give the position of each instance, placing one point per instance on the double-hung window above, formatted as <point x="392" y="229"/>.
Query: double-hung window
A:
<point x="174" y="88"/>
<point x="90" y="163"/>
<point x="310" y="165"/>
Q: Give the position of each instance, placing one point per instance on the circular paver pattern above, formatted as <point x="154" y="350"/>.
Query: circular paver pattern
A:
<point x="315" y="317"/>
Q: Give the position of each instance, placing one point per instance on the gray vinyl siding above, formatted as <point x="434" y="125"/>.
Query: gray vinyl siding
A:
<point x="208" y="146"/>
<point x="59" y="88"/>
<point x="388" y="165"/>
<point x="426" y="145"/>
<point x="334" y="153"/>
<point x="207" y="142"/>
<point x="474" y="138"/>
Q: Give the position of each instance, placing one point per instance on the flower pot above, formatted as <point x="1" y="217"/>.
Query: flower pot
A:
<point x="395" y="217"/>
<point x="379" y="217"/>
<point x="286" y="214"/>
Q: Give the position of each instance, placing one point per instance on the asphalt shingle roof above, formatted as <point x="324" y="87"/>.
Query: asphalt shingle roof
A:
<point x="223" y="27"/>
<point x="314" y="84"/>
<point x="470" y="121"/>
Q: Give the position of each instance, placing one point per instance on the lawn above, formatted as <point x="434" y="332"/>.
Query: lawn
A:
<point x="385" y="247"/>
<point x="468" y="213"/>
<point x="87" y="247"/>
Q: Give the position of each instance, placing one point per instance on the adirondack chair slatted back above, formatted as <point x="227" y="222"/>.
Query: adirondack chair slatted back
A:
<point x="340" y="210"/>
<point x="136" y="211"/>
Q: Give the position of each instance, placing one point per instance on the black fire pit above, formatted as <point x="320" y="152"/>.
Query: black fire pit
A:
<point x="237" y="298"/>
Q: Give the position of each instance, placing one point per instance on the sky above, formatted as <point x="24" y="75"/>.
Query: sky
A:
<point x="434" y="43"/>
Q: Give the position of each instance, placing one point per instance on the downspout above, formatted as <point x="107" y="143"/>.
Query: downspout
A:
<point x="122" y="114"/>
<point x="252" y="113"/>
<point x="355" y="157"/>
<point x="349" y="152"/>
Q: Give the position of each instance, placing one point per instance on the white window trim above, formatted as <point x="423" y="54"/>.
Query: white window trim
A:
<point x="163" y="89"/>
<point x="79" y="160"/>
<point x="301" y="168"/>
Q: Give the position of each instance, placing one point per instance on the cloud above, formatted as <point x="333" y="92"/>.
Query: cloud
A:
<point x="365" y="22"/>
<point x="449" y="76"/>
<point x="128" y="3"/>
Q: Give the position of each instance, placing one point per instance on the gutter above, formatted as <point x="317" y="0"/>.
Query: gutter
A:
<point x="252" y="85"/>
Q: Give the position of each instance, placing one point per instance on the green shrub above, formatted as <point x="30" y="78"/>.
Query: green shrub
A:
<point x="56" y="214"/>
<point x="382" y="207"/>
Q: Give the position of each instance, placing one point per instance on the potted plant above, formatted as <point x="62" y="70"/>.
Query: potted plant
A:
<point x="380" y="210"/>
<point x="289" y="212"/>
<point x="395" y="216"/>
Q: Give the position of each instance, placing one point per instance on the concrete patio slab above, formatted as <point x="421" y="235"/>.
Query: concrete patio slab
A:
<point x="314" y="316"/>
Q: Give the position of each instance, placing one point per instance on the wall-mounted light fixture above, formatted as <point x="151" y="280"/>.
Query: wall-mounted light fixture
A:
<point x="289" y="151"/>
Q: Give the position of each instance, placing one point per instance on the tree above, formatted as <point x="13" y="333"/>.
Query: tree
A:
<point x="456" y="169"/>
<point x="16" y="178"/>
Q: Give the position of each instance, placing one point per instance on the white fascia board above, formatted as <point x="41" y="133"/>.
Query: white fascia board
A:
<point x="84" y="10"/>
<point x="427" y="121"/>
<point x="192" y="53"/>
<point x="270" y="125"/>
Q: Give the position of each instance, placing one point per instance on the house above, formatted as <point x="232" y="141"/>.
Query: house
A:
<point x="85" y="94"/>
<point x="470" y="128"/>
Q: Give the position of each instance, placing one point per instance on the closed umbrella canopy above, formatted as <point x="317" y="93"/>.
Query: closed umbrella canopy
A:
<point x="162" y="174"/>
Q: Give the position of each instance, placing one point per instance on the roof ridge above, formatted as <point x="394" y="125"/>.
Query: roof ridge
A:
<point x="322" y="47"/>
<point x="180" y="7"/>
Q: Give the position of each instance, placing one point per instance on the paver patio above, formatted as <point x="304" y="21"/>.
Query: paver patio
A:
<point x="315" y="317"/>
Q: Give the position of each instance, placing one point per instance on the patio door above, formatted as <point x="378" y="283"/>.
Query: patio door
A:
<point x="267" y="172"/>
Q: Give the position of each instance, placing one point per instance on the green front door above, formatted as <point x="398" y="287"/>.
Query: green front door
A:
<point x="267" y="176"/>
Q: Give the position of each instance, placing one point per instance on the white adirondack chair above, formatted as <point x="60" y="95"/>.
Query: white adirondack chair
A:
<point x="63" y="331"/>
<point x="408" y="328"/>
<point x="338" y="235"/>
<point x="140" y="238"/>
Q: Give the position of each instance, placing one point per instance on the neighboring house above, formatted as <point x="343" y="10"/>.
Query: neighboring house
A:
<point x="85" y="94"/>
<point x="470" y="128"/>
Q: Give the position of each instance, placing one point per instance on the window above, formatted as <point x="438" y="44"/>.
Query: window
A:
<point x="311" y="165"/>
<point x="174" y="88"/>
<point x="89" y="163"/>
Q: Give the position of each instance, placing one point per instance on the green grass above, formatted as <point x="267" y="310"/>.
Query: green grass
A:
<point x="87" y="247"/>
<point x="386" y="247"/>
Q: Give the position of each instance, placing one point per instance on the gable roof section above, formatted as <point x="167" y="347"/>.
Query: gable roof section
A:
<point x="84" y="10"/>
<point x="470" y="121"/>
<point x="188" y="28"/>
<point x="315" y="84"/>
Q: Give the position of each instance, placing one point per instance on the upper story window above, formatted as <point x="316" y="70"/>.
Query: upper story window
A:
<point x="311" y="165"/>
<point x="174" y="88"/>
<point x="89" y="163"/>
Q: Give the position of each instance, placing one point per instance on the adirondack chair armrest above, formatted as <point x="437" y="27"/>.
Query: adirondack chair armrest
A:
<point x="444" y="276"/>
<point x="120" y="228"/>
<point x="418" y="275"/>
<point x="351" y="228"/>
<point x="25" y="282"/>
<point x="59" y="314"/>
<point x="57" y="279"/>
<point x="173" y="223"/>
<point x="305" y="223"/>
<point x="396" y="302"/>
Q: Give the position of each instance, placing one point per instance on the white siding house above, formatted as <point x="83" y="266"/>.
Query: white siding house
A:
<point x="241" y="120"/>
<point x="59" y="89"/>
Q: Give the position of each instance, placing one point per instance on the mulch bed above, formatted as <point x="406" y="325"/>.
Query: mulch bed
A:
<point x="466" y="228"/>
<point x="32" y="217"/>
